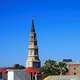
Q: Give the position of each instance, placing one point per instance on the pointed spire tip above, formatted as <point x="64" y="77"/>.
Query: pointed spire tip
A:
<point x="33" y="29"/>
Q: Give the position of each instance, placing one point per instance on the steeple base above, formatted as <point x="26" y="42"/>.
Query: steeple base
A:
<point x="35" y="73"/>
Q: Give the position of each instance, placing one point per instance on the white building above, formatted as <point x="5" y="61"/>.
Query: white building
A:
<point x="18" y="75"/>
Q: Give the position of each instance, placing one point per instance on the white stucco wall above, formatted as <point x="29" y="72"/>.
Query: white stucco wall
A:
<point x="10" y="75"/>
<point x="18" y="75"/>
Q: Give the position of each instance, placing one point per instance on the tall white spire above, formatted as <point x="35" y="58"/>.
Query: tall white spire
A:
<point x="33" y="57"/>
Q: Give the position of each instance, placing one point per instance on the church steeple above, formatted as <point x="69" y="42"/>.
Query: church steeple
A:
<point x="33" y="60"/>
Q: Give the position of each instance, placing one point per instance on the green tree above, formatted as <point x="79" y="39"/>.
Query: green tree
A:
<point x="48" y="68"/>
<point x="62" y="68"/>
<point x="52" y="67"/>
<point x="18" y="66"/>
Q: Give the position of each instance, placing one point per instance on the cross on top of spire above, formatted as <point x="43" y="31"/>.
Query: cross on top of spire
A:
<point x="33" y="29"/>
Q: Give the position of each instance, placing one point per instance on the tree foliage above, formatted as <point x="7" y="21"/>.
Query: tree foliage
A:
<point x="52" y="67"/>
<point x="18" y="66"/>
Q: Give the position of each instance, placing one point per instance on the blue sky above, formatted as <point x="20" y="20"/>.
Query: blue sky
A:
<point x="57" y="24"/>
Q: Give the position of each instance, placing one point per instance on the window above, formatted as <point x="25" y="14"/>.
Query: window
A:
<point x="35" y="43"/>
<point x="32" y="37"/>
<point x="36" y="58"/>
<point x="33" y="78"/>
<point x="0" y="75"/>
<point x="36" y="64"/>
<point x="74" y="68"/>
<point x="74" y="73"/>
<point x="36" y="52"/>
